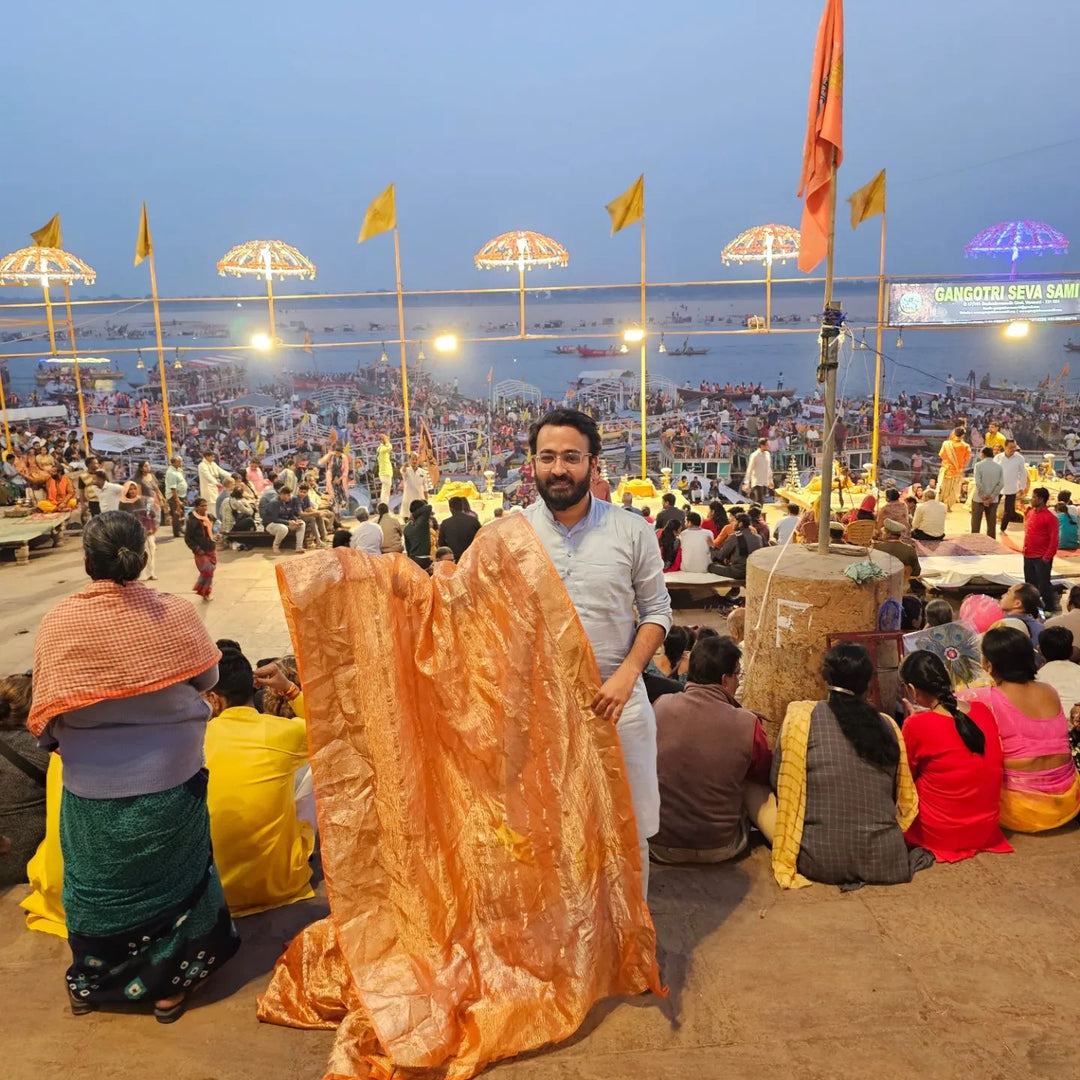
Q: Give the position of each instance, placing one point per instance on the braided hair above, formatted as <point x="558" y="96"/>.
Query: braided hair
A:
<point x="925" y="671"/>
<point x="848" y="670"/>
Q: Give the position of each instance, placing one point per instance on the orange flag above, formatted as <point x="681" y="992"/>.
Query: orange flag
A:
<point x="824" y="135"/>
<point x="144" y="244"/>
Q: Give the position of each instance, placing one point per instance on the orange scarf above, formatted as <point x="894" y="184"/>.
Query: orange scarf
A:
<point x="114" y="641"/>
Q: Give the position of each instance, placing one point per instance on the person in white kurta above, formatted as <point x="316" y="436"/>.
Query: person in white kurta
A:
<point x="212" y="478"/>
<point x="759" y="474"/>
<point x="413" y="484"/>
<point x="610" y="563"/>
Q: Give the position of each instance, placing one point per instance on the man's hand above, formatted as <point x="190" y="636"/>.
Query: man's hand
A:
<point x="614" y="694"/>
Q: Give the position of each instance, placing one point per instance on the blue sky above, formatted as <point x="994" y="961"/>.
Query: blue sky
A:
<point x="236" y="119"/>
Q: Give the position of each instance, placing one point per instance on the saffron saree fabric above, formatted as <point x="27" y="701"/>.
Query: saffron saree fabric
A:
<point x="478" y="837"/>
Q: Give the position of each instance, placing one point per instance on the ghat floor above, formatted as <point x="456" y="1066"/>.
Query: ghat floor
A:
<point x="967" y="972"/>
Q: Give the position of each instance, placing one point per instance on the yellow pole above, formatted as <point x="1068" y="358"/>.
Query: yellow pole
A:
<point x="521" y="290"/>
<point x="75" y="364"/>
<point x="401" y="342"/>
<point x="49" y="315"/>
<point x="161" y="358"/>
<point x="644" y="378"/>
<point x="3" y="406"/>
<point x="768" y="292"/>
<point x="828" y="355"/>
<point x="270" y="305"/>
<point x="877" y="354"/>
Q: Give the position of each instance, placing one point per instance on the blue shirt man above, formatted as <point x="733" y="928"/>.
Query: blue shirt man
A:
<point x="610" y="563"/>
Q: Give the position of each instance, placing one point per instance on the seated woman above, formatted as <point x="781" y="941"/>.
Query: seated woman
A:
<point x="22" y="780"/>
<point x="893" y="509"/>
<point x="673" y="661"/>
<point x="1042" y="789"/>
<point x="259" y="775"/>
<point x="844" y="792"/>
<point x="955" y="756"/>
<point x="670" y="548"/>
<point x="865" y="511"/>
<point x="731" y="557"/>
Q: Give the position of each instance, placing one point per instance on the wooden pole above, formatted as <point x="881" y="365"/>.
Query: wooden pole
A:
<point x="644" y="373"/>
<point x="49" y="315"/>
<point x="75" y="364"/>
<point x="161" y="358"/>
<point x="270" y="305"/>
<point x="3" y="406"/>
<point x="877" y="354"/>
<point x="521" y="291"/>
<point x="401" y="343"/>
<point x="830" y="342"/>
<point x="768" y="292"/>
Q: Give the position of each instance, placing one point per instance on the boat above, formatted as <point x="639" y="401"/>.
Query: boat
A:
<point x="565" y="350"/>
<point x="686" y="350"/>
<point x="95" y="373"/>
<point x="591" y="353"/>
<point x="1072" y="346"/>
<point x="688" y="393"/>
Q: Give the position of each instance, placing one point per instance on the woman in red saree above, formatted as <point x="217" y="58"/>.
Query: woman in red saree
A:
<point x="199" y="537"/>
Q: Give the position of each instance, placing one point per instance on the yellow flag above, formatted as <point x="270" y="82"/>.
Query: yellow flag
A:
<point x="868" y="201"/>
<point x="143" y="245"/>
<point x="49" y="234"/>
<point x="629" y="206"/>
<point x="381" y="216"/>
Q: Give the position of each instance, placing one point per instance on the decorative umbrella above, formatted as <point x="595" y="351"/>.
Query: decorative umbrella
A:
<point x="47" y="266"/>
<point x="764" y="244"/>
<point x="1016" y="238"/>
<point x="523" y="250"/>
<point x="267" y="258"/>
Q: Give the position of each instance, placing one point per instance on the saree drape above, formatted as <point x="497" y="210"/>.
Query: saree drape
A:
<point x="478" y="836"/>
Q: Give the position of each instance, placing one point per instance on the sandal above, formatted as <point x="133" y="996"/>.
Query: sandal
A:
<point x="171" y="1014"/>
<point x="80" y="1006"/>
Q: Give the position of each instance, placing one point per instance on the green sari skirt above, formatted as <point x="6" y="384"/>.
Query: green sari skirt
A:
<point x="146" y="913"/>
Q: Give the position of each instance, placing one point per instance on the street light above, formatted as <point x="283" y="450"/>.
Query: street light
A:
<point x="633" y="335"/>
<point x="446" y="343"/>
<point x="262" y="341"/>
<point x="1020" y="328"/>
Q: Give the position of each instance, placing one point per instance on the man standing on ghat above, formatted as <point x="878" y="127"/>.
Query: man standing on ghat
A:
<point x="610" y="563"/>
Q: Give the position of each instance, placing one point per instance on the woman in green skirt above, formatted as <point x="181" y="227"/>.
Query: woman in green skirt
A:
<point x="146" y="915"/>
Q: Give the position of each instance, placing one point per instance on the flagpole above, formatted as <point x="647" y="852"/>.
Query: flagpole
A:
<point x="75" y="364"/>
<point x="160" y="356"/>
<point x="3" y="406"/>
<point x="877" y="353"/>
<point x="49" y="313"/>
<point x="644" y="474"/>
<point x="521" y="290"/>
<point x="401" y="341"/>
<point x="830" y="343"/>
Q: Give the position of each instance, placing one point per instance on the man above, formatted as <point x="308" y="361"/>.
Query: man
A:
<point x="696" y="546"/>
<point x="211" y="478"/>
<point x="984" y="499"/>
<point x="1070" y="618"/>
<point x="1022" y="602"/>
<point x="917" y="467"/>
<point x="611" y="566"/>
<point x="262" y="809"/>
<point x="759" y="475"/>
<point x="994" y="438"/>
<point x="928" y="522"/>
<point x="288" y="475"/>
<point x="955" y="456"/>
<point x="176" y="490"/>
<point x="713" y="763"/>
<point x="786" y="525"/>
<point x="281" y="517"/>
<point x="893" y="544"/>
<point x="109" y="494"/>
<point x="320" y="523"/>
<point x="599" y="487"/>
<point x="337" y="478"/>
<point x="385" y="468"/>
<point x="628" y="502"/>
<point x="1040" y="547"/>
<point x="226" y="490"/>
<point x="1059" y="671"/>
<point x="458" y="530"/>
<point x="1014" y="482"/>
<point x="367" y="536"/>
<point x="413" y="484"/>
<point x="670" y="512"/>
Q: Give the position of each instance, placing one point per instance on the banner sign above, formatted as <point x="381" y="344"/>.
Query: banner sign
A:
<point x="952" y="303"/>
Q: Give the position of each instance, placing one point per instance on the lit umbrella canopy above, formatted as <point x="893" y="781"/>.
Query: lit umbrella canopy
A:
<point x="44" y="265"/>
<point x="521" y="250"/>
<point x="266" y="257"/>
<point x="780" y="242"/>
<point x="1016" y="238"/>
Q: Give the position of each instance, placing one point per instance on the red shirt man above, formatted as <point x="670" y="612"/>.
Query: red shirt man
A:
<point x="1040" y="546"/>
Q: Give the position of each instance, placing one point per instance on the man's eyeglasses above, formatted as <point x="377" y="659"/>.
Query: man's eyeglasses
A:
<point x="547" y="458"/>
